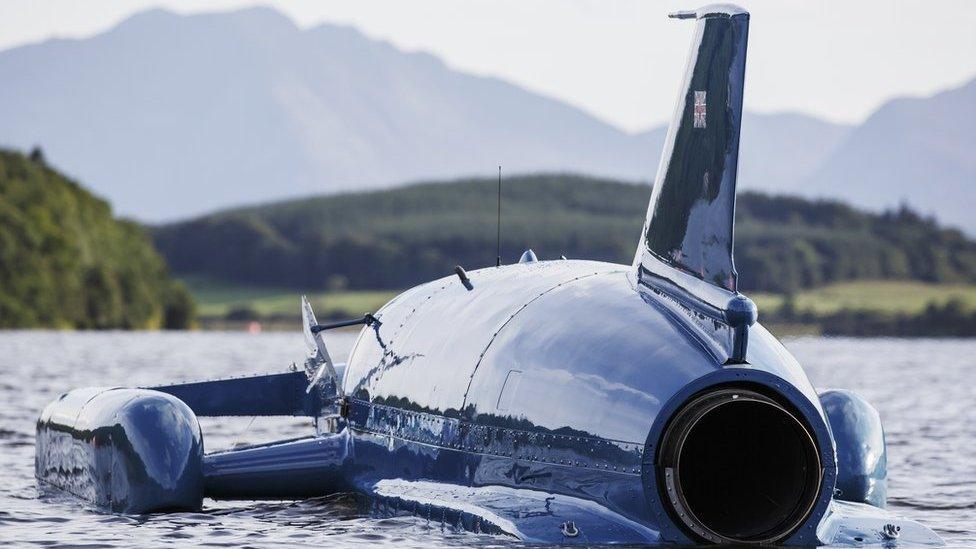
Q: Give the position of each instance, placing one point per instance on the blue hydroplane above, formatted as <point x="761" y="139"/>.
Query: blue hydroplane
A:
<point x="552" y="401"/>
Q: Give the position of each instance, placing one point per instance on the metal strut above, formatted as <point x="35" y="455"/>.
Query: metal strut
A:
<point x="368" y="319"/>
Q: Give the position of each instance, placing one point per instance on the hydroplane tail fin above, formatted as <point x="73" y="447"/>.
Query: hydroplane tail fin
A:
<point x="685" y="250"/>
<point x="687" y="237"/>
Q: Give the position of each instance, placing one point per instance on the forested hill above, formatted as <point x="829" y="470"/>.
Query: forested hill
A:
<point x="65" y="262"/>
<point x="400" y="237"/>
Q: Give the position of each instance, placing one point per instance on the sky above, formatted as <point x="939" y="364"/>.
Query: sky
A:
<point x="620" y="60"/>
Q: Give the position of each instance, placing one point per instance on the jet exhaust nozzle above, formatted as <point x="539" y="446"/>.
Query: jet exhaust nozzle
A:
<point x="737" y="466"/>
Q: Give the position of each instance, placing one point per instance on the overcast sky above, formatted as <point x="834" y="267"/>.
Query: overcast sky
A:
<point x="620" y="60"/>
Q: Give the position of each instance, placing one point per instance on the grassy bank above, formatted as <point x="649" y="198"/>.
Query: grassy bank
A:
<point x="852" y="308"/>
<point x="883" y="296"/>
<point x="874" y="308"/>
<point x="221" y="301"/>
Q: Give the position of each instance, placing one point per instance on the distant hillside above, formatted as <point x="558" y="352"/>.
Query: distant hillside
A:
<point x="400" y="237"/>
<point x="171" y="115"/>
<point x="779" y="152"/>
<point x="66" y="263"/>
<point x="914" y="150"/>
<point x="256" y="108"/>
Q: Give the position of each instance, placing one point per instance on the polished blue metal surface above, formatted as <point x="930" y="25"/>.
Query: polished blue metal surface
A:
<point x="282" y="394"/>
<point x="862" y="458"/>
<point x="313" y="466"/>
<point x="689" y="220"/>
<point x="441" y="322"/>
<point x="564" y="388"/>
<point x="685" y="252"/>
<point x="129" y="450"/>
<point x="538" y="400"/>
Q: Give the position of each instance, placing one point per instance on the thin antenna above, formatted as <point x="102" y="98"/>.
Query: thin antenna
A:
<point x="498" y="236"/>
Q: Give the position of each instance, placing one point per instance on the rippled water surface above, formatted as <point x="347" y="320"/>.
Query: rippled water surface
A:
<point x="925" y="390"/>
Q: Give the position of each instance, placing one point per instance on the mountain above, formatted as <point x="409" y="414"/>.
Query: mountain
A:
<point x="170" y="115"/>
<point x="779" y="152"/>
<point x="65" y="262"/>
<point x="400" y="237"/>
<point x="916" y="150"/>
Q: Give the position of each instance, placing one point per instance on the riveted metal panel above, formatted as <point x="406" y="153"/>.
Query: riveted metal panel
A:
<point x="430" y="339"/>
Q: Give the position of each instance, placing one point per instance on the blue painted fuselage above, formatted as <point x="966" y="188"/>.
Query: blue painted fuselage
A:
<point x="553" y="377"/>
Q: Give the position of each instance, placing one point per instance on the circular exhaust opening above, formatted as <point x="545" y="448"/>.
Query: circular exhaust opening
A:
<point x="738" y="467"/>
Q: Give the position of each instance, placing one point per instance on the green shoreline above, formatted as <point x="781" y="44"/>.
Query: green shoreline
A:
<point x="860" y="308"/>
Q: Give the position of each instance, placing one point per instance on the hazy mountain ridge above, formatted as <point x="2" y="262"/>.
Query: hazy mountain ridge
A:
<point x="171" y="116"/>
<point x="191" y="113"/>
<point x="917" y="150"/>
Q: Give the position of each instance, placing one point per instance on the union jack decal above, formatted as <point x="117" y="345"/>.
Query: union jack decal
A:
<point x="700" y="109"/>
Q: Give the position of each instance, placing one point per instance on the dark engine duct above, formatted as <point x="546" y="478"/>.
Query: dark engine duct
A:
<point x="738" y="467"/>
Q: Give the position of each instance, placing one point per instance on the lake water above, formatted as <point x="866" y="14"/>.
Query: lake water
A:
<point x="925" y="390"/>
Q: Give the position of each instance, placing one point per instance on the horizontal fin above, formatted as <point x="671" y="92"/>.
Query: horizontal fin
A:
<point x="263" y="395"/>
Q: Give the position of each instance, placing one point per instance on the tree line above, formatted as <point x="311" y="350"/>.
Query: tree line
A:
<point x="66" y="262"/>
<point x="396" y="238"/>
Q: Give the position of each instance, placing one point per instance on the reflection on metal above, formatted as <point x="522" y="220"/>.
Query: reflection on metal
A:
<point x="586" y="452"/>
<point x="509" y="390"/>
<point x="689" y="220"/>
<point x="862" y="462"/>
<point x="289" y="469"/>
<point x="128" y="450"/>
<point x="553" y="401"/>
